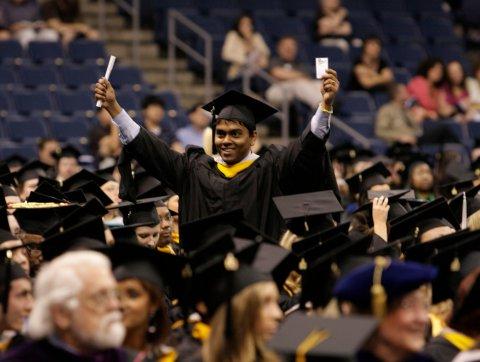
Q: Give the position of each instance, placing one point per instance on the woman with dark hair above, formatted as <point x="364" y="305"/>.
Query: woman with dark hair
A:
<point x="244" y="47"/>
<point x="456" y="92"/>
<point x="332" y="27"/>
<point x="425" y="87"/>
<point x="371" y="72"/>
<point x="142" y="276"/>
<point x="420" y="179"/>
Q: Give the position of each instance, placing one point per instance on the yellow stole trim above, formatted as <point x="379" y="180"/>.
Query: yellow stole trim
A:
<point x="459" y="340"/>
<point x="171" y="356"/>
<point x="233" y="170"/>
<point x="175" y="238"/>
<point x="437" y="324"/>
<point x="201" y="331"/>
<point x="311" y="341"/>
<point x="166" y="249"/>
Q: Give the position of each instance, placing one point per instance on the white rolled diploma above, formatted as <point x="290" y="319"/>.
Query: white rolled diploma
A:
<point x="111" y="62"/>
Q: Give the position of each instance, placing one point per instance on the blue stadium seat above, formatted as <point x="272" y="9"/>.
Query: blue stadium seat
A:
<point x="401" y="29"/>
<point x="365" y="25"/>
<point x="5" y="103"/>
<point x="447" y="52"/>
<point x="402" y="75"/>
<point x="422" y="6"/>
<point x="474" y="130"/>
<point x="219" y="4"/>
<point x="33" y="76"/>
<point x="75" y="76"/>
<point x="170" y="99"/>
<point x="128" y="100"/>
<point x="10" y="49"/>
<point x="363" y="124"/>
<point x="299" y="5"/>
<point x="41" y="51"/>
<point x="354" y="4"/>
<point x="28" y="151"/>
<point x="7" y="76"/>
<point x="357" y="103"/>
<point x="438" y="29"/>
<point x="83" y="50"/>
<point x="30" y="101"/>
<point x="20" y="128"/>
<point x="334" y="54"/>
<point x="393" y="6"/>
<point x="227" y="16"/>
<point x="253" y="5"/>
<point x="64" y="130"/>
<point x="281" y="26"/>
<point x="406" y="55"/>
<point x="216" y="28"/>
<point x="381" y="98"/>
<point x="70" y="102"/>
<point x="126" y="76"/>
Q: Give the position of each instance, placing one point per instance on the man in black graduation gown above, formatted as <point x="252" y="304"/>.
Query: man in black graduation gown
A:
<point x="235" y="177"/>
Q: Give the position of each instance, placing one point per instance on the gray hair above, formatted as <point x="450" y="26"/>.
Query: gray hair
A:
<point x="59" y="282"/>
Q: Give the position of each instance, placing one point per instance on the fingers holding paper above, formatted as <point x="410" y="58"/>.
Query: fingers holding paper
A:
<point x="330" y="87"/>
<point x="105" y="93"/>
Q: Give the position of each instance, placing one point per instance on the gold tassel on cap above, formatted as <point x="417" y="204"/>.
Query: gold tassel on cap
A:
<point x="379" y="296"/>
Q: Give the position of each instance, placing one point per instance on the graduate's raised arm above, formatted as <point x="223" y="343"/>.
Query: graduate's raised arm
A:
<point x="151" y="152"/>
<point x="304" y="166"/>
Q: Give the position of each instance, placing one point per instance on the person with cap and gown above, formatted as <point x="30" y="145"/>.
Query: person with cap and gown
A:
<point x="397" y="293"/>
<point x="67" y="162"/>
<point x="144" y="279"/>
<point x="16" y="301"/>
<point x="235" y="176"/>
<point x="419" y="177"/>
<point x="28" y="176"/>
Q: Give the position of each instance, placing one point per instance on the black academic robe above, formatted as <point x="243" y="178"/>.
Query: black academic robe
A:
<point x="441" y="350"/>
<point x="44" y="351"/>
<point x="303" y="166"/>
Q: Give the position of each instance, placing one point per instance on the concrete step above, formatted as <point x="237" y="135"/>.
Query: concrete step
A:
<point x="161" y="78"/>
<point x="88" y="7"/>
<point x="147" y="51"/>
<point x="113" y="22"/>
<point x="127" y="35"/>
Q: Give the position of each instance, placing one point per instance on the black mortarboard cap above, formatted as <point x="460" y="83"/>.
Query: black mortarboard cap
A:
<point x="236" y="106"/>
<point x="6" y="177"/>
<point x="39" y="197"/>
<point x="68" y="151"/>
<point x="38" y="220"/>
<point x="50" y="181"/>
<point x="92" y="190"/>
<point x="311" y="241"/>
<point x="308" y="204"/>
<point x="453" y="189"/>
<point x="80" y="178"/>
<point x="162" y="270"/>
<point x="106" y="173"/>
<point x="85" y="235"/>
<point x="469" y="263"/>
<point x="348" y="153"/>
<point x="312" y="338"/>
<point x="48" y="189"/>
<point x="124" y="234"/>
<point x="469" y="305"/>
<point x="31" y="170"/>
<point x="147" y="186"/>
<point x="15" y="160"/>
<point x="428" y="216"/>
<point x="140" y="214"/>
<point x="473" y="203"/>
<point x="9" y="271"/>
<point x="75" y="196"/>
<point x="363" y="181"/>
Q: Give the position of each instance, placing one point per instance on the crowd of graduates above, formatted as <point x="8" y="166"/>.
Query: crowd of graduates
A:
<point x="301" y="253"/>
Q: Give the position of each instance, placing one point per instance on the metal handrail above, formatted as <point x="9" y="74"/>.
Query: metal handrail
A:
<point x="246" y="81"/>
<point x="174" y="42"/>
<point x="134" y="11"/>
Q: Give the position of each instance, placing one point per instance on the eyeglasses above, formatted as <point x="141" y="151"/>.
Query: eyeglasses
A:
<point x="99" y="301"/>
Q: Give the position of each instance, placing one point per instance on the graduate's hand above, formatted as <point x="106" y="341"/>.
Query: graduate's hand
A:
<point x="330" y="87"/>
<point x="105" y="93"/>
<point x="380" y="209"/>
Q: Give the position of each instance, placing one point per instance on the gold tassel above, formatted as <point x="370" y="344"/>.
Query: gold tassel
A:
<point x="455" y="265"/>
<point x="378" y="294"/>
<point x="313" y="339"/>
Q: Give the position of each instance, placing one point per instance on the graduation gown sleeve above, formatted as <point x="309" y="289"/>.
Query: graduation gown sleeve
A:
<point x="158" y="159"/>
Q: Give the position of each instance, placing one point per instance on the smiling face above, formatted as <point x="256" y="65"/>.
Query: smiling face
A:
<point x="233" y="141"/>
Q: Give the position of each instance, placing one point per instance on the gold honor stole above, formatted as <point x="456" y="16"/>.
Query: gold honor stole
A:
<point x="233" y="170"/>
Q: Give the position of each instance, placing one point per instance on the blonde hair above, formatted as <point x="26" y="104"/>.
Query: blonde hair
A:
<point x="244" y="345"/>
<point x="474" y="221"/>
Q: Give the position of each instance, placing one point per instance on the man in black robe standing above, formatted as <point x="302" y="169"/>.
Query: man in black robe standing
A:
<point x="235" y="177"/>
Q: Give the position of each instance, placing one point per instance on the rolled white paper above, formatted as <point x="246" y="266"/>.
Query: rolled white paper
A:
<point x="464" y="212"/>
<point x="321" y="66"/>
<point x="111" y="62"/>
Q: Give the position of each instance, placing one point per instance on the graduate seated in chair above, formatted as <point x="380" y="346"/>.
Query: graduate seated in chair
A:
<point x="234" y="177"/>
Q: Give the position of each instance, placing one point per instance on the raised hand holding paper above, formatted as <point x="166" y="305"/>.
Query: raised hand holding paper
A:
<point x="321" y="65"/>
<point x="111" y="62"/>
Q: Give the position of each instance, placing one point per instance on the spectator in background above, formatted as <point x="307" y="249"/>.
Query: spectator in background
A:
<point x="22" y="18"/>
<point x="456" y="92"/>
<point x="294" y="81"/>
<point x="244" y="47"/>
<point x="64" y="17"/>
<point x="395" y="121"/>
<point x="153" y="112"/>
<point x="48" y="148"/>
<point x="371" y="72"/>
<point x="193" y="133"/>
<point x="426" y="88"/>
<point x="473" y="86"/>
<point x="332" y="27"/>
<point x="100" y="129"/>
